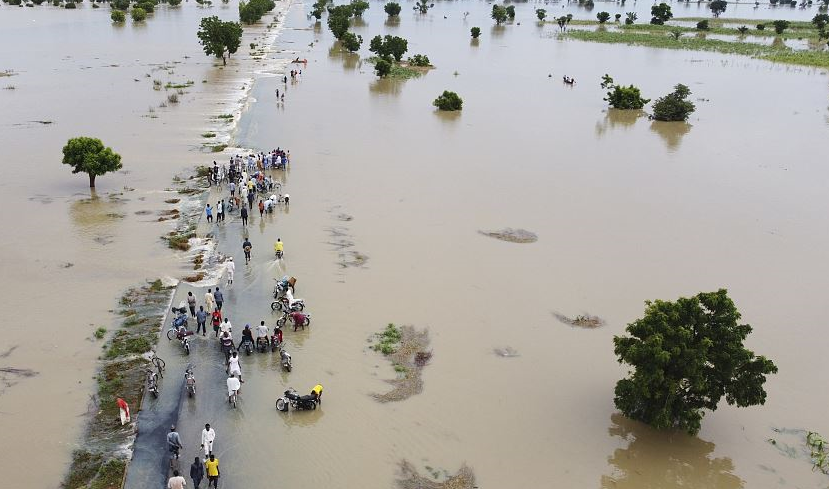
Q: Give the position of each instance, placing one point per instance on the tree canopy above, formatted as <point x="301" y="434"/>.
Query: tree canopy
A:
<point x="358" y="7"/>
<point x="499" y="14"/>
<point x="717" y="7"/>
<point x="90" y="156"/>
<point x="448" y="101"/>
<point x="661" y="13"/>
<point x="250" y="12"/>
<point x="351" y="41"/>
<point x="686" y="355"/>
<point x="674" y="106"/>
<point x="389" y="46"/>
<point x="541" y="13"/>
<point x="392" y="8"/>
<point x="219" y="37"/>
<point x="622" y="97"/>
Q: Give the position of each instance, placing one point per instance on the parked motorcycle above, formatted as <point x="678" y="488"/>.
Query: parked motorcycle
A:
<point x="152" y="382"/>
<point x="291" y="398"/>
<point x="181" y="317"/>
<point x="282" y="305"/>
<point x="190" y="382"/>
<point x="306" y="320"/>
<point x="285" y="359"/>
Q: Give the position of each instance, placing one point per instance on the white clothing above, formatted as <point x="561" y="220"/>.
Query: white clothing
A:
<point x="233" y="385"/>
<point x="234" y="367"/>
<point x="209" y="301"/>
<point x="226" y="327"/>
<point x="176" y="482"/>
<point x="207" y="437"/>
<point x="231" y="267"/>
<point x="261" y="331"/>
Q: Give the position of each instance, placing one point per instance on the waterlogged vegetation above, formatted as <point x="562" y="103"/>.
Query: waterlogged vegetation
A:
<point x="407" y="350"/>
<point x="675" y="36"/>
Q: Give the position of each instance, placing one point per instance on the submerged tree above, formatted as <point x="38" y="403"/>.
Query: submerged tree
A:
<point x="90" y="156"/>
<point x="630" y="18"/>
<point x="541" y="14"/>
<point x="780" y="26"/>
<point x="351" y="41"/>
<point x="382" y="68"/>
<point x="423" y="6"/>
<point x="219" y="37"/>
<point x="338" y="24"/>
<point x="358" y="7"/>
<point x="448" y="101"/>
<point x="674" y="106"/>
<point x="717" y="7"/>
<point x="511" y="11"/>
<point x="621" y="97"/>
<point x="686" y="355"/>
<point x="392" y="8"/>
<point x="661" y="13"/>
<point x="499" y="14"/>
<point x="563" y="21"/>
<point x="388" y="47"/>
<point x="603" y="17"/>
<point x="476" y="32"/>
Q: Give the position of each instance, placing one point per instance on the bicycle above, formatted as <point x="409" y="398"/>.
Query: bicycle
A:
<point x="159" y="364"/>
<point x="233" y="398"/>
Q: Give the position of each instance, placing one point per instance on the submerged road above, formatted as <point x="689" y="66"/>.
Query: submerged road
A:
<point x="246" y="301"/>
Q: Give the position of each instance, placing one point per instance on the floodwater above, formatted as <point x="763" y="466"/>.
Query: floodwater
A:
<point x="625" y="209"/>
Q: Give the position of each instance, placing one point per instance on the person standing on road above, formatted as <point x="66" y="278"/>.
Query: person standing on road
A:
<point x="231" y="267"/>
<point x="247" y="246"/>
<point x="244" y="214"/>
<point x="176" y="481"/>
<point x="209" y="300"/>
<point x="217" y="321"/>
<point x="208" y="435"/>
<point x="197" y="472"/>
<point x="232" y="187"/>
<point x="219" y="298"/>
<point x="261" y="208"/>
<point x="209" y="212"/>
<point x="212" y="465"/>
<point x="191" y="303"/>
<point x="174" y="441"/>
<point x="201" y="321"/>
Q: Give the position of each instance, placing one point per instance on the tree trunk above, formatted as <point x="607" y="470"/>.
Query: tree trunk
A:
<point x="91" y="180"/>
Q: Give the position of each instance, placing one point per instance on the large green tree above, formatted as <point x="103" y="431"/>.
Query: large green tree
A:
<point x="686" y="355"/>
<point x="90" y="156"/>
<point x="622" y="97"/>
<point x="499" y="14"/>
<point x="675" y="106"/>
<point x="219" y="37"/>
<point x="661" y="13"/>
<point x="388" y="47"/>
<point x="393" y="9"/>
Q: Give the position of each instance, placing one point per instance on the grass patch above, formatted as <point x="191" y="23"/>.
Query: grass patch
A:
<point x="719" y="28"/>
<point x="657" y="39"/>
<point x="179" y="241"/>
<point x="100" y="333"/>
<point x="110" y="475"/>
<point x="406" y="349"/>
<point x="208" y="135"/>
<point x="411" y="479"/>
<point x="203" y="171"/>
<point x="401" y="71"/>
<point x="84" y="467"/>
<point x="225" y="117"/>
<point x="170" y="85"/>
<point x="218" y="148"/>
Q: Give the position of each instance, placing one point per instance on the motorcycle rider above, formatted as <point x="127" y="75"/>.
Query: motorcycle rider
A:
<point x="227" y="344"/>
<point x="298" y="319"/>
<point x="247" y="335"/>
<point x="233" y="385"/>
<point x="317" y="392"/>
<point x="262" y="333"/>
<point x="233" y="367"/>
<point x="278" y="247"/>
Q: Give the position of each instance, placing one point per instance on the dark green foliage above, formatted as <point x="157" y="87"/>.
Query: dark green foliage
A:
<point x="338" y="25"/>
<point x="448" y="101"/>
<point x="351" y="41"/>
<point x="250" y="12"/>
<point x="686" y="355"/>
<point x="88" y="155"/>
<point x="219" y="37"/>
<point x="346" y="11"/>
<point x="69" y="5"/>
<point x="511" y="11"/>
<point x="621" y="97"/>
<point x="617" y="17"/>
<point x="589" y="4"/>
<point x="674" y="106"/>
<point x="358" y="7"/>
<point x="120" y="4"/>
<point x="420" y="60"/>
<point x="742" y="30"/>
<point x="148" y="7"/>
<point x="541" y="14"/>
<point x="780" y="26"/>
<point x="661" y="13"/>
<point x="392" y="8"/>
<point x="703" y="25"/>
<point x="761" y="27"/>
<point x="630" y="18"/>
<point x="117" y="16"/>
<point x="717" y="7"/>
<point x="423" y="6"/>
<point x="388" y="47"/>
<point x="174" y="3"/>
<point x="603" y="17"/>
<point x="382" y="68"/>
<point x="476" y="32"/>
<point x="820" y="21"/>
<point x="499" y="14"/>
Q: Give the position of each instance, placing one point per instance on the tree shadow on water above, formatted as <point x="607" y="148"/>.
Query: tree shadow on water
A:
<point x="386" y="86"/>
<point x="351" y="61"/>
<point x="617" y="119"/>
<point x="671" y="132"/>
<point x="664" y="460"/>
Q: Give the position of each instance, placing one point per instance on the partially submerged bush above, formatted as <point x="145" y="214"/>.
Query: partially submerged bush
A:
<point x="118" y="16"/>
<point x="419" y="60"/>
<point x="703" y="25"/>
<point x="621" y="97"/>
<point x="674" y="106"/>
<point x="392" y="8"/>
<point x="138" y="14"/>
<point x="382" y="68"/>
<point x="476" y="32"/>
<point x="448" y="101"/>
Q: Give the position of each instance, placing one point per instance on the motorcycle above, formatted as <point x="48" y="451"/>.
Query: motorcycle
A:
<point x="152" y="382"/>
<point x="282" y="285"/>
<point x="262" y="344"/>
<point x="285" y="359"/>
<point x="306" y="321"/>
<point x="190" y="382"/>
<point x="282" y="305"/>
<point x="247" y="347"/>
<point x="181" y="317"/>
<point x="279" y="254"/>
<point x="275" y="343"/>
<point x="299" y="403"/>
<point x="185" y="343"/>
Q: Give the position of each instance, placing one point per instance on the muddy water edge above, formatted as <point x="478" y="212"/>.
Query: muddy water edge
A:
<point x="73" y="252"/>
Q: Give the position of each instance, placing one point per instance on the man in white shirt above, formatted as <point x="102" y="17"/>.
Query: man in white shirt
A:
<point x="209" y="300"/>
<point x="261" y="331"/>
<point x="176" y="481"/>
<point x="233" y="366"/>
<point x="233" y="385"/>
<point x="226" y="327"/>
<point x="208" y="434"/>
<point x="231" y="268"/>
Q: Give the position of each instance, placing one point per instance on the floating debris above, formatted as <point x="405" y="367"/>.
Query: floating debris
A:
<point x="512" y="235"/>
<point x="406" y="349"/>
<point x="506" y="352"/>
<point x="411" y="479"/>
<point x="582" y="321"/>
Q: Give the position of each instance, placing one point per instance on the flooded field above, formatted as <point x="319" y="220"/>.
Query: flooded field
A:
<point x="624" y="210"/>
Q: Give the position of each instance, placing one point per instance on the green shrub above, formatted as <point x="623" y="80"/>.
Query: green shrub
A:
<point x="138" y="14"/>
<point x="621" y="97"/>
<point x="351" y="41"/>
<point x="392" y="8"/>
<point x="589" y="4"/>
<point x="419" y="60"/>
<point x="358" y="7"/>
<point x="603" y="17"/>
<point x="742" y="30"/>
<point x="674" y="106"/>
<point x="148" y="7"/>
<point x="100" y="333"/>
<point x="69" y="5"/>
<point x="250" y="12"/>
<point x="382" y="68"/>
<point x="117" y="16"/>
<point x="661" y="13"/>
<point x="174" y="3"/>
<point x="541" y="14"/>
<point x="338" y="24"/>
<point x="703" y="25"/>
<point x="120" y="4"/>
<point x="780" y="26"/>
<point x="511" y="11"/>
<point x="448" y="101"/>
<point x="476" y="32"/>
<point x="761" y="27"/>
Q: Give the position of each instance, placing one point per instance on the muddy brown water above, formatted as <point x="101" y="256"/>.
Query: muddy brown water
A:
<point x="625" y="210"/>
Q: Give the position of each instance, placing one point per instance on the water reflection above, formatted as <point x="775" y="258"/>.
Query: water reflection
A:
<point x="386" y="86"/>
<point x="664" y="459"/>
<point x="475" y="42"/>
<point x="96" y="214"/>
<point x="617" y="119"/>
<point x="358" y="22"/>
<point x="497" y="30"/>
<point x="350" y="60"/>
<point x="671" y="132"/>
<point x="392" y="22"/>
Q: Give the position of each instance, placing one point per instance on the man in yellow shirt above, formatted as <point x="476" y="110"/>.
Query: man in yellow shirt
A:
<point x="278" y="247"/>
<point x="212" y="466"/>
<point x="317" y="392"/>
